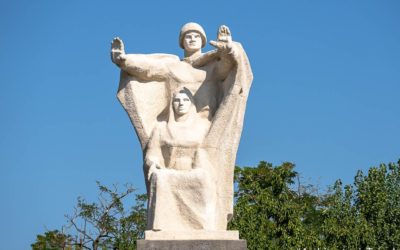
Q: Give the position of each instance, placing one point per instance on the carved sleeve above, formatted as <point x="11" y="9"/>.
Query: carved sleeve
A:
<point x="228" y="59"/>
<point x="148" y="67"/>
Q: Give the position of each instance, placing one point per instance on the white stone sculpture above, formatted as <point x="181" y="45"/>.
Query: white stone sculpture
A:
<point x="188" y="115"/>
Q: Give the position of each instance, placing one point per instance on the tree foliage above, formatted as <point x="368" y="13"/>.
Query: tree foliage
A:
<point x="53" y="240"/>
<point x="270" y="214"/>
<point x="100" y="225"/>
<point x="273" y="210"/>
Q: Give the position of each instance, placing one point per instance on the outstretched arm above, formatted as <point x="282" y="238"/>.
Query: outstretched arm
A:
<point x="226" y="49"/>
<point x="146" y="67"/>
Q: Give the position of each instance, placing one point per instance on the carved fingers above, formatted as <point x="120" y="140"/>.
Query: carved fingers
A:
<point x="152" y="167"/>
<point x="224" y="39"/>
<point x="224" y="34"/>
<point x="117" y="50"/>
<point x="117" y="45"/>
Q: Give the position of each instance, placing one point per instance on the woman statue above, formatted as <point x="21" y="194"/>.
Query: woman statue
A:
<point x="188" y="114"/>
<point x="182" y="189"/>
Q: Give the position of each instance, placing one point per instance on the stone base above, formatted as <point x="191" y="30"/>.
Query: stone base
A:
<point x="191" y="235"/>
<point x="191" y="245"/>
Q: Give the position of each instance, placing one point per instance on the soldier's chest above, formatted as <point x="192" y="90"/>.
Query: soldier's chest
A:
<point x="183" y="72"/>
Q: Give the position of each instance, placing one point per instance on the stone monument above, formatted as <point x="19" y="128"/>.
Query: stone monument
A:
<point x="188" y="115"/>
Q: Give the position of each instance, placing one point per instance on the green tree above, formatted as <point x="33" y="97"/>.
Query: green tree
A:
<point x="269" y="214"/>
<point x="378" y="202"/>
<point x="53" y="240"/>
<point x="100" y="225"/>
<point x="311" y="202"/>
<point x="341" y="225"/>
<point x="132" y="227"/>
<point x="366" y="214"/>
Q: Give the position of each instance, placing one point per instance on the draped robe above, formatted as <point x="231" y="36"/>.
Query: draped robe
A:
<point x="195" y="184"/>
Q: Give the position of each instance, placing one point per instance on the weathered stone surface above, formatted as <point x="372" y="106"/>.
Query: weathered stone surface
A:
<point x="192" y="235"/>
<point x="188" y="115"/>
<point x="191" y="245"/>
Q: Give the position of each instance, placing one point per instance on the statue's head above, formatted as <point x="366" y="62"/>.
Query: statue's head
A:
<point x="192" y="36"/>
<point x="182" y="101"/>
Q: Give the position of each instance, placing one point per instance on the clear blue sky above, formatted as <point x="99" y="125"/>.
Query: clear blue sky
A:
<point x="325" y="93"/>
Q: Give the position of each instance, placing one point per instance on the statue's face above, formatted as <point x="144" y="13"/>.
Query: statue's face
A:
<point x="181" y="103"/>
<point x="192" y="41"/>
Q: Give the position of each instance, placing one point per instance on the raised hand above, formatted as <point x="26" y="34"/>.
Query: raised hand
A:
<point x="224" y="39"/>
<point x="117" y="51"/>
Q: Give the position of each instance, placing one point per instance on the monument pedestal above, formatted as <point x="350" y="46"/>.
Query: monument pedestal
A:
<point x="192" y="240"/>
<point x="191" y="235"/>
<point x="191" y="245"/>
